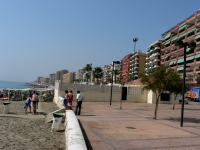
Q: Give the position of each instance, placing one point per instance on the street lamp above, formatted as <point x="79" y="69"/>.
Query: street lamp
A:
<point x="185" y="45"/>
<point x="134" y="40"/>
<point x="114" y="62"/>
<point x="91" y="73"/>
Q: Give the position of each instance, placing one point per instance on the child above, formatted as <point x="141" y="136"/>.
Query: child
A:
<point x="28" y="103"/>
<point x="65" y="100"/>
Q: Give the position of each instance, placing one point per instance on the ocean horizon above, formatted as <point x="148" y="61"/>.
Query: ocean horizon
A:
<point x="13" y="84"/>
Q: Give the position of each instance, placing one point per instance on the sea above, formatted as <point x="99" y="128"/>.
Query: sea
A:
<point x="14" y="85"/>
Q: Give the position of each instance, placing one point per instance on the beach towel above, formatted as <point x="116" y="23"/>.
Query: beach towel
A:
<point x="24" y="105"/>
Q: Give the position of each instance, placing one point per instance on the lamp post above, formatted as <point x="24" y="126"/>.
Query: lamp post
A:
<point x="91" y="73"/>
<point x="134" y="40"/>
<point x="114" y="62"/>
<point x="185" y="45"/>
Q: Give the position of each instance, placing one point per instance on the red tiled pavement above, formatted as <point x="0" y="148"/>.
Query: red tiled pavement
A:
<point x="107" y="127"/>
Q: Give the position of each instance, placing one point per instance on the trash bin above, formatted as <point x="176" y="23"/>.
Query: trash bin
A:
<point x="6" y="107"/>
<point x="57" y="121"/>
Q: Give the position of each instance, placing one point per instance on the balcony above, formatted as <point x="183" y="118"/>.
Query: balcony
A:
<point x="180" y="55"/>
<point x="156" y="48"/>
<point x="156" y="60"/>
<point x="189" y="70"/>
<point x="157" y="54"/>
<point x="155" y="66"/>
<point x="135" y="71"/>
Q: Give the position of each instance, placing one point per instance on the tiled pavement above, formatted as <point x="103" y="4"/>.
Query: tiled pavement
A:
<point x="107" y="127"/>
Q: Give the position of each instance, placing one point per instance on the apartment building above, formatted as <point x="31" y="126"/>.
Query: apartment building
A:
<point x="187" y="30"/>
<point x="153" y="58"/>
<point x="107" y="73"/>
<point x="39" y="79"/>
<point x="69" y="77"/>
<point x="52" y="78"/>
<point x="137" y="64"/>
<point x="125" y="68"/>
<point x="59" y="74"/>
<point x="79" y="74"/>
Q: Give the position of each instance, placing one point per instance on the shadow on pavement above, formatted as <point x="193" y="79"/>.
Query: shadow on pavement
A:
<point x="191" y="120"/>
<point x="89" y="146"/>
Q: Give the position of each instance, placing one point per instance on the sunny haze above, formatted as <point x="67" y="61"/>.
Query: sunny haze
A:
<point x="40" y="37"/>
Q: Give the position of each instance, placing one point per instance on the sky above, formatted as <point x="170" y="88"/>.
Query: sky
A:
<point x="40" y="37"/>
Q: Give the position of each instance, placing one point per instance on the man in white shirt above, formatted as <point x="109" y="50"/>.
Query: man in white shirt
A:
<point x="79" y="98"/>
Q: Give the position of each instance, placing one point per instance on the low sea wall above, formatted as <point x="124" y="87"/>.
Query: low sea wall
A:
<point x="73" y="133"/>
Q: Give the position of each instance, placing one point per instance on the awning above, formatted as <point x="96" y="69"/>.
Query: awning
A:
<point x="198" y="36"/>
<point x="197" y="55"/>
<point x="182" y="35"/>
<point x="188" y="49"/>
<point x="149" y="48"/>
<point x="182" y="27"/>
<point x="167" y="36"/>
<point x="191" y="30"/>
<point x="174" y="38"/>
<point x="171" y="63"/>
<point x="164" y="57"/>
<point x="167" y="42"/>
<point x="175" y="62"/>
<point x="190" y="58"/>
<point x="180" y="68"/>
<point x="180" y="61"/>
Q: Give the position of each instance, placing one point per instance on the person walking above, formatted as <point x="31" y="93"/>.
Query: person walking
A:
<point x="79" y="98"/>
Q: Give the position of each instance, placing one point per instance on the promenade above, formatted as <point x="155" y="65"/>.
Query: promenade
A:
<point x="107" y="127"/>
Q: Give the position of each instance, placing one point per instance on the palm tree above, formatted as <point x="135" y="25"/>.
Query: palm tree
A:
<point x="87" y="69"/>
<point x="97" y="73"/>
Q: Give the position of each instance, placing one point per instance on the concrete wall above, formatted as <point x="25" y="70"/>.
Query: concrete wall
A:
<point x="151" y="98"/>
<point x="134" y="94"/>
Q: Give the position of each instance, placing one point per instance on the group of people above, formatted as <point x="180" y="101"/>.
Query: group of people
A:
<point x="34" y="99"/>
<point x="69" y="96"/>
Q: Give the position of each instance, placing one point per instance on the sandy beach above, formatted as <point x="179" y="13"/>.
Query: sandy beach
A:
<point x="28" y="133"/>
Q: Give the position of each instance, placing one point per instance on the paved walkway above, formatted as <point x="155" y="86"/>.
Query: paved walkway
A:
<point x="107" y="127"/>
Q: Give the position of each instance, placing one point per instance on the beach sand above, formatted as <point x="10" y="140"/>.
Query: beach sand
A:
<point x="19" y="133"/>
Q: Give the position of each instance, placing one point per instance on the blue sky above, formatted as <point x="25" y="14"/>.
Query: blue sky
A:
<point x="41" y="37"/>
